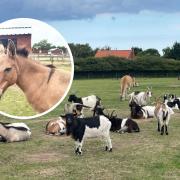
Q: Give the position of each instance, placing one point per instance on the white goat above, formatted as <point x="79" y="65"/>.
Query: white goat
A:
<point x="148" y="111"/>
<point x="140" y="98"/>
<point x="163" y="113"/>
<point x="12" y="132"/>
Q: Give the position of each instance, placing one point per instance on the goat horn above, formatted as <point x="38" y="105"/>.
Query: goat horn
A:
<point x="76" y="104"/>
<point x="112" y="113"/>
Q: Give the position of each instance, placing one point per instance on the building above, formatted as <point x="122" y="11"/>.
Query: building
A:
<point x="128" y="54"/>
<point x="21" y="36"/>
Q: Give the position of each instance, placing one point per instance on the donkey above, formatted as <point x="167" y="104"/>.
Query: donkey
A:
<point x="42" y="86"/>
<point x="126" y="83"/>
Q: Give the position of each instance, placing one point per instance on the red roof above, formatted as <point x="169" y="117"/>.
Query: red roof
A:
<point x="129" y="54"/>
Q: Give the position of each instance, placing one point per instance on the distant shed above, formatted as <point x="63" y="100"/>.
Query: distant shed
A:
<point x="21" y="36"/>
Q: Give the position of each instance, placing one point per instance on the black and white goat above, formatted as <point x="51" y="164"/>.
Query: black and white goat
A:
<point x="172" y="101"/>
<point x="163" y="113"/>
<point x="81" y="128"/>
<point x="141" y="112"/>
<point x="13" y="132"/>
<point x="118" y="124"/>
<point x="90" y="101"/>
<point x="140" y="98"/>
<point x="75" y="108"/>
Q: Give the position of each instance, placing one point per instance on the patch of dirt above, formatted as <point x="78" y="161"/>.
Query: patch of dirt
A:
<point x="45" y="172"/>
<point x="45" y="157"/>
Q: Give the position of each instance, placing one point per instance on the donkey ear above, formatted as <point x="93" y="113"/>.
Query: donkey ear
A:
<point x="11" y="49"/>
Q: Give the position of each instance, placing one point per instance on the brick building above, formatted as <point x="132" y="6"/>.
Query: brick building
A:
<point x="128" y="54"/>
<point x="20" y="35"/>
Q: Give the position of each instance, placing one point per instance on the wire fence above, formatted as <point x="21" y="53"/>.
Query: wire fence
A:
<point x="119" y="74"/>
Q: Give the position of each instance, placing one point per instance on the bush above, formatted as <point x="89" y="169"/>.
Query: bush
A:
<point x="145" y="63"/>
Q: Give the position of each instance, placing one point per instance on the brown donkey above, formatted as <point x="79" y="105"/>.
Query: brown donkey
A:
<point x="43" y="86"/>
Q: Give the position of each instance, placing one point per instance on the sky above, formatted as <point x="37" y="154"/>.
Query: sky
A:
<point x="120" y="24"/>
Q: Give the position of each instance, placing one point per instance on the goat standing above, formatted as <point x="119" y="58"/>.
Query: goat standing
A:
<point x="162" y="113"/>
<point x="81" y="128"/>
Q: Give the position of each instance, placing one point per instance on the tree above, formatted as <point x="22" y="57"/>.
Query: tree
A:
<point x="150" y="52"/>
<point x="173" y="52"/>
<point x="43" y="45"/>
<point x="137" y="50"/>
<point x="81" y="50"/>
<point x="106" y="48"/>
<point x="167" y="52"/>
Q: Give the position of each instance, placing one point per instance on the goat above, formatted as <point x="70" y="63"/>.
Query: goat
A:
<point x="162" y="113"/>
<point x="172" y="101"/>
<point x="118" y="124"/>
<point x="89" y="101"/>
<point x="140" y="98"/>
<point x="81" y="128"/>
<point x="56" y="127"/>
<point x="13" y="132"/>
<point x="139" y="112"/>
<point x="75" y="108"/>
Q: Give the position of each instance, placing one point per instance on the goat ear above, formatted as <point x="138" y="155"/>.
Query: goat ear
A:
<point x="66" y="108"/>
<point x="63" y="116"/>
<point x="11" y="49"/>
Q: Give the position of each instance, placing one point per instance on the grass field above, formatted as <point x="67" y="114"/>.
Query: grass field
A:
<point x="144" y="155"/>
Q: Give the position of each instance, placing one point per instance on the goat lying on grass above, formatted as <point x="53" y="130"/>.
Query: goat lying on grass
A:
<point x="172" y="101"/>
<point x="56" y="127"/>
<point x="140" y="98"/>
<point x="141" y="112"/>
<point x="118" y="124"/>
<point x="13" y="132"/>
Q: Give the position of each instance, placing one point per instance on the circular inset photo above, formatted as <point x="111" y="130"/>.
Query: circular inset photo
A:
<point x="36" y="68"/>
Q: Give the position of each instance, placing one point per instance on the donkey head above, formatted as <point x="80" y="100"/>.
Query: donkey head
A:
<point x="8" y="68"/>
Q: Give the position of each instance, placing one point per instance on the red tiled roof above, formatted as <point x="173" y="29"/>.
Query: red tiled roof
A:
<point x="119" y="53"/>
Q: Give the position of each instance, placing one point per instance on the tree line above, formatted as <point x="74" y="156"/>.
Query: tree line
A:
<point x="148" y="60"/>
<point x="85" y="50"/>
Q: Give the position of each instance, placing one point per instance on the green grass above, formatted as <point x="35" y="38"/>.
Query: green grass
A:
<point x="144" y="155"/>
<point x="14" y="103"/>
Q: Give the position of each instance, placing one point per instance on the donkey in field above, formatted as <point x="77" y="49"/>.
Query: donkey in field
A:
<point x="126" y="83"/>
<point x="42" y="86"/>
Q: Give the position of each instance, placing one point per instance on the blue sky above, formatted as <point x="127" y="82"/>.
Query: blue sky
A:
<point x="120" y="24"/>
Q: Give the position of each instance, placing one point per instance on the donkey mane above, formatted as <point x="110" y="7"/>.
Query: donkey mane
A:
<point x="22" y="52"/>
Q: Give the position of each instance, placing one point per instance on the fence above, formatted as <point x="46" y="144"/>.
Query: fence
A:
<point x="48" y="57"/>
<point x="117" y="74"/>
